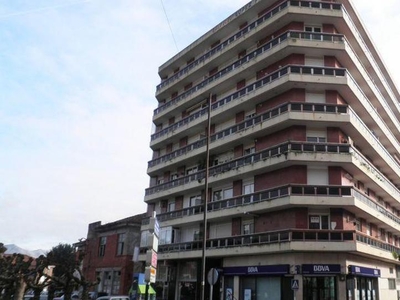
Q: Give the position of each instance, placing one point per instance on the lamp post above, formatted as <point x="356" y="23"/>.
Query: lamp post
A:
<point x="206" y="196"/>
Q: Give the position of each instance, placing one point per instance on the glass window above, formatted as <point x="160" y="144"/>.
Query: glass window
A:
<point x="107" y="282"/>
<point x="188" y="271"/>
<point x="143" y="238"/>
<point x="195" y="200"/>
<point x="121" y="243"/>
<point x="165" y="235"/>
<point x="102" y="245"/>
<point x="247" y="190"/>
<point x="116" y="281"/>
<point x="248" y="228"/>
<point x="171" y="206"/>
<point x="319" y="288"/>
<point x="223" y="194"/>
<point x="318" y="222"/>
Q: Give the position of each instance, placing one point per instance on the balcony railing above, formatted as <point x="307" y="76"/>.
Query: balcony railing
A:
<point x="260" y="83"/>
<point x="279" y="237"/>
<point x="261" y="196"/>
<point x="251" y="159"/>
<point x="289" y="69"/>
<point x="244" y="31"/>
<point x="277" y="193"/>
<point x="263" y="238"/>
<point x="264" y="117"/>
<point x="247" y="58"/>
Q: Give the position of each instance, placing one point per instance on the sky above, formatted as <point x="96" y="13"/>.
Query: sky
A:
<point x="77" y="86"/>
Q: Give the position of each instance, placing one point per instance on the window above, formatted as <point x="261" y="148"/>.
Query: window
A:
<point x="392" y="283"/>
<point x="316" y="139"/>
<point x="102" y="245"/>
<point x="312" y="29"/>
<point x="174" y="176"/>
<point x="191" y="170"/>
<point x="312" y="32"/>
<point x="143" y="238"/>
<point x="195" y="200"/>
<point x="248" y="227"/>
<point x="223" y="194"/>
<point x="121" y="243"/>
<point x="250" y="150"/>
<point x="248" y="189"/>
<point x="318" y="222"/>
<point x="369" y="230"/>
<point x="358" y="225"/>
<point x="171" y="206"/>
<point x="116" y="281"/>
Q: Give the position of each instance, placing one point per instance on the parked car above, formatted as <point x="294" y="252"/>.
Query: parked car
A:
<point x="114" y="297"/>
<point x="74" y="296"/>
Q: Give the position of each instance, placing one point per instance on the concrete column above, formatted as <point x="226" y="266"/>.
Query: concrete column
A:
<point x="236" y="287"/>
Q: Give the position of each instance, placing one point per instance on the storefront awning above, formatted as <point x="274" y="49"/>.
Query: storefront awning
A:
<point x="142" y="289"/>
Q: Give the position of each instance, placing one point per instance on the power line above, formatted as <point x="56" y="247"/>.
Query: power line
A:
<point x="169" y="24"/>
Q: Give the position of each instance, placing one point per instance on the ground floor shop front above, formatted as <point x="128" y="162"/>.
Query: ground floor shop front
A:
<point x="301" y="277"/>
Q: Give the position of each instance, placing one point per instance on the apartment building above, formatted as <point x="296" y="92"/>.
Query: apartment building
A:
<point x="108" y="255"/>
<point x="303" y="175"/>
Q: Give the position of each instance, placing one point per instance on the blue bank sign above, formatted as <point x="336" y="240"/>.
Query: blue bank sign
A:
<point x="320" y="269"/>
<point x="363" y="271"/>
<point x="257" y="270"/>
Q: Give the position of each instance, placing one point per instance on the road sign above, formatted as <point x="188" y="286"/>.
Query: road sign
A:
<point x="151" y="258"/>
<point x="295" y="284"/>
<point x="212" y="276"/>
<point x="152" y="242"/>
<point x="150" y="274"/>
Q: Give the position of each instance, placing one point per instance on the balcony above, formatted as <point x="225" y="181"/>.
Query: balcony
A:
<point x="251" y="27"/>
<point x="284" y="240"/>
<point x="264" y="82"/>
<point x="259" y="119"/>
<point x="270" y="195"/>
<point x="252" y="159"/>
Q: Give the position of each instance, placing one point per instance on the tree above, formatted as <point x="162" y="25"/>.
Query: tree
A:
<point x="67" y="274"/>
<point x="14" y="269"/>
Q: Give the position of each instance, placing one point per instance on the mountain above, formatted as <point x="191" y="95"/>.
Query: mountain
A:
<point x="11" y="249"/>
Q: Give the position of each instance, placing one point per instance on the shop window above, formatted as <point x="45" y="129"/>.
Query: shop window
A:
<point x="323" y="287"/>
<point x="116" y="281"/>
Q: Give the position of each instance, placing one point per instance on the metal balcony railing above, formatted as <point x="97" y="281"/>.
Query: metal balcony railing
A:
<point x="258" y="119"/>
<point x="272" y="12"/>
<point x="279" y="237"/>
<point x="289" y="69"/>
<point x="263" y="238"/>
<point x="251" y="159"/>
<point x="277" y="193"/>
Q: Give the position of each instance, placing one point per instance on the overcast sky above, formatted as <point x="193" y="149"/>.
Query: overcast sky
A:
<point x="77" y="85"/>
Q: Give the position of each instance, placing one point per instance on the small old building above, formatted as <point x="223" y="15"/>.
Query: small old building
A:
<point x="109" y="252"/>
